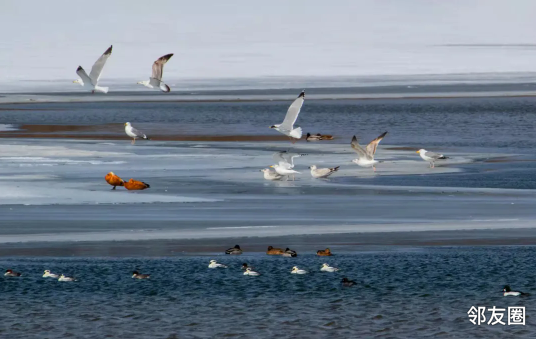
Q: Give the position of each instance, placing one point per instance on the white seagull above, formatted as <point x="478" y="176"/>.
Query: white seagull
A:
<point x="271" y="175"/>
<point x="287" y="126"/>
<point x="134" y="133"/>
<point x="366" y="156"/>
<point x="155" y="81"/>
<point x="214" y="264"/>
<point x="91" y="82"/>
<point x="285" y="163"/>
<point x="327" y="268"/>
<point x="431" y="157"/>
<point x="322" y="172"/>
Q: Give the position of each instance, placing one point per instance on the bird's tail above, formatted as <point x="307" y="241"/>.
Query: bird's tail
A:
<point x="296" y="133"/>
<point x="443" y="157"/>
<point x="146" y="137"/>
<point x="105" y="89"/>
<point x="334" y="169"/>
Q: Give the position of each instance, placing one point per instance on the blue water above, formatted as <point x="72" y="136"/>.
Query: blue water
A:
<point x="422" y="292"/>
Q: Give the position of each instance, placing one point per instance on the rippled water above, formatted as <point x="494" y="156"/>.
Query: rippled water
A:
<point x="504" y="123"/>
<point x="411" y="293"/>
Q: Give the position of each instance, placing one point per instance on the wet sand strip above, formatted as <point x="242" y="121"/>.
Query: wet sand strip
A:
<point x="304" y="244"/>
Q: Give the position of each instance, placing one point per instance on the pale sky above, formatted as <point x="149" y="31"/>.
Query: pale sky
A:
<point x="212" y="39"/>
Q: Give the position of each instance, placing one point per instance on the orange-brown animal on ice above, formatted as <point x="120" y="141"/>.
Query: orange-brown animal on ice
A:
<point x="134" y="185"/>
<point x="114" y="180"/>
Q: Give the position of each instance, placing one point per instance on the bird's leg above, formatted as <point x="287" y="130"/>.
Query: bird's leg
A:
<point x="133" y="141"/>
<point x="374" y="168"/>
<point x="113" y="188"/>
<point x="433" y="165"/>
<point x="93" y="92"/>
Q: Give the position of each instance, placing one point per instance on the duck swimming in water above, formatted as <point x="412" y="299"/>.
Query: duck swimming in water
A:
<point x="324" y="253"/>
<point x="327" y="268"/>
<point x="66" y="278"/>
<point x="507" y="291"/>
<point x="296" y="270"/>
<point x="11" y="273"/>
<point x="234" y="250"/>
<point x="289" y="253"/>
<point x="347" y="283"/>
<point x="249" y="271"/>
<point x="214" y="264"/>
<point x="137" y="275"/>
<point x="274" y="251"/>
<point x="49" y="274"/>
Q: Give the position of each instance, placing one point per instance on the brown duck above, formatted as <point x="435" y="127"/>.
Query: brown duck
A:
<point x="134" y="185"/>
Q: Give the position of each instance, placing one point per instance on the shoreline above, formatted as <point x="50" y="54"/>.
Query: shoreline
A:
<point x="304" y="244"/>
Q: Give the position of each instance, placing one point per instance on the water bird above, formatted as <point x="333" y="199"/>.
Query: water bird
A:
<point x="366" y="155"/>
<point x="91" y="82"/>
<point x="345" y="282"/>
<point x="234" y="250"/>
<point x="214" y="264"/>
<point x="135" y="185"/>
<point x="134" y="133"/>
<point x="137" y="275"/>
<point x="322" y="172"/>
<point x="250" y="271"/>
<point x="284" y="171"/>
<point x="244" y="266"/>
<point x="49" y="274"/>
<point x="507" y="291"/>
<point x="289" y="253"/>
<point x="11" y="273"/>
<point x="287" y="126"/>
<point x="317" y="137"/>
<point x="274" y="251"/>
<point x="155" y="81"/>
<point x="66" y="278"/>
<point x="326" y="268"/>
<point x="296" y="270"/>
<point x="324" y="253"/>
<point x="114" y="180"/>
<point x="271" y="175"/>
<point x="431" y="157"/>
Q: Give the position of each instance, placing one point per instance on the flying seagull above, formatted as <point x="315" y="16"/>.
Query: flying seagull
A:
<point x="155" y="81"/>
<point x="431" y="157"/>
<point x="366" y="156"/>
<point x="91" y="82"/>
<point x="134" y="133"/>
<point x="287" y="126"/>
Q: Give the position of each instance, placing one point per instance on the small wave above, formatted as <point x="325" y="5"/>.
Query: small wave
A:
<point x="239" y="227"/>
<point x="6" y="127"/>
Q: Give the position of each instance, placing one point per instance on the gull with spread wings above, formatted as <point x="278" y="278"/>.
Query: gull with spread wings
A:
<point x="285" y="163"/>
<point x="287" y="126"/>
<point x="366" y="155"/>
<point x="155" y="81"/>
<point x="91" y="81"/>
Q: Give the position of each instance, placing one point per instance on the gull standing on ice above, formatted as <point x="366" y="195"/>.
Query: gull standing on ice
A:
<point x="322" y="172"/>
<point x="155" y="81"/>
<point x="134" y="133"/>
<point x="91" y="82"/>
<point x="431" y="157"/>
<point x="366" y="156"/>
<point x="287" y="126"/>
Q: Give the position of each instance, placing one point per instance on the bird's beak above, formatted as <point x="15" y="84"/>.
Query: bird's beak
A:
<point x="271" y="166"/>
<point x="74" y="81"/>
<point x="418" y="151"/>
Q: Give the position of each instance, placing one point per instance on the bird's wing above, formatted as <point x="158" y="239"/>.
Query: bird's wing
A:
<point x="371" y="147"/>
<point x="357" y="147"/>
<point x="158" y="66"/>
<point x="96" y="70"/>
<point x="137" y="133"/>
<point x="286" y="157"/>
<point x="433" y="155"/>
<point x="293" y="111"/>
<point x="323" y="171"/>
<point x="83" y="75"/>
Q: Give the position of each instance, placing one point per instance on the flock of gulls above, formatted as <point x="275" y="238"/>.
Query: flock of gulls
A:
<point x="91" y="81"/>
<point x="284" y="167"/>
